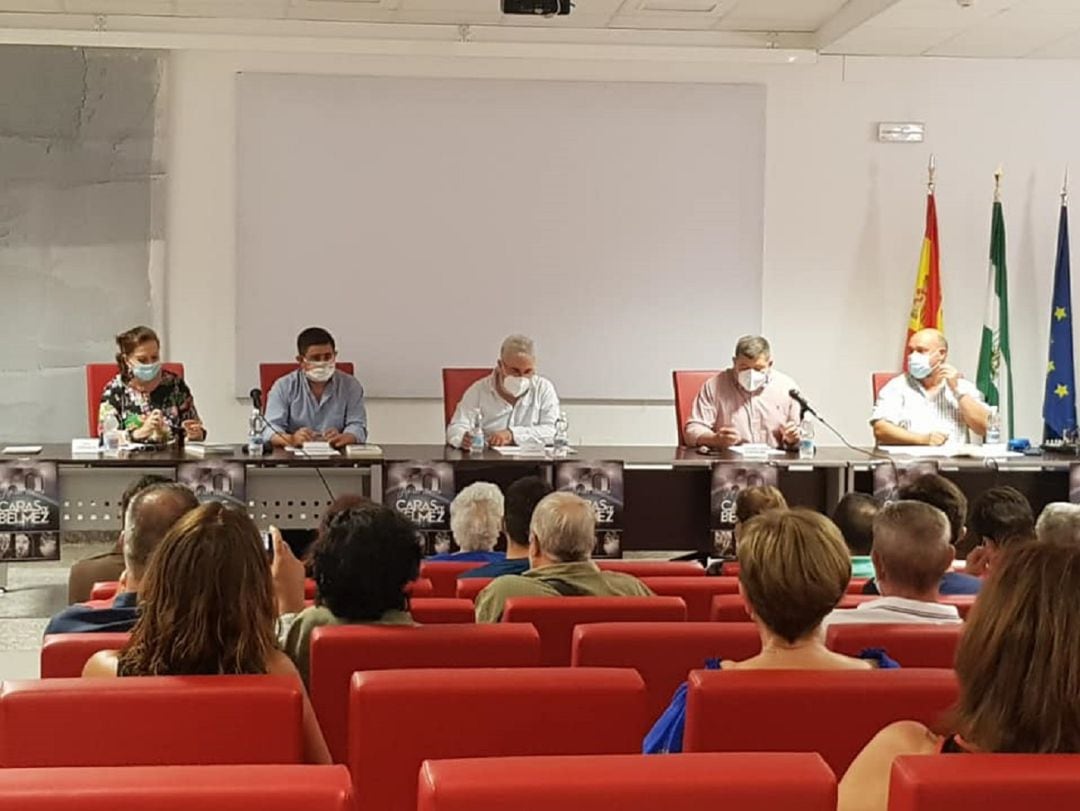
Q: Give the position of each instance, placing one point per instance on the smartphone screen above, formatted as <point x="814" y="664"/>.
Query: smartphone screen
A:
<point x="268" y="542"/>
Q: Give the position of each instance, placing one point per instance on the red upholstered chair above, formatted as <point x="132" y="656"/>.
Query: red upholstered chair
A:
<point x="855" y="585"/>
<point x="151" y="721"/>
<point x="730" y="569"/>
<point x="654" y="568"/>
<point x="64" y="655"/>
<point x="763" y="782"/>
<point x="309" y="589"/>
<point x="555" y="617"/>
<point x="339" y="651"/>
<point x="687" y="384"/>
<point x="442" y="610"/>
<point x="178" y="788"/>
<point x="910" y="645"/>
<point x="696" y="592"/>
<point x="420" y="589"/>
<point x="270" y="372"/>
<point x="469" y="587"/>
<point x="663" y="653"/>
<point x="400" y="718"/>
<point x="729" y="608"/>
<point x="104" y="590"/>
<point x="879" y="379"/>
<point x="986" y="782"/>
<point x="455" y="382"/>
<point x="98" y="376"/>
<point x="443" y="574"/>
<point x="834" y="712"/>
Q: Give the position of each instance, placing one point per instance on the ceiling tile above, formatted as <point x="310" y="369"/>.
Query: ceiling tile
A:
<point x="779" y="15"/>
<point x="887" y="41"/>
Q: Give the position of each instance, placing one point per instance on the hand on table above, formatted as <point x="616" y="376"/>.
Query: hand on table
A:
<point x="723" y="438"/>
<point x="790" y="434"/>
<point x="193" y="430"/>
<point x="936" y="438"/>
<point x="500" y="438"/>
<point x="302" y="435"/>
<point x="338" y="439"/>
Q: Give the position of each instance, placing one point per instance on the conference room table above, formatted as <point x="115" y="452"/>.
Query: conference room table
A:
<point x="667" y="490"/>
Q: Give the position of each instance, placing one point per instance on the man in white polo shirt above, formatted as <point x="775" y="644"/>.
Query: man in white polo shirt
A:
<point x="931" y="404"/>
<point x="911" y="552"/>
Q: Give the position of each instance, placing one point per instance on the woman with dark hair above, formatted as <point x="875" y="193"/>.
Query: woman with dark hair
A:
<point x="150" y="403"/>
<point x="362" y="563"/>
<point x="207" y="609"/>
<point x="1017" y="667"/>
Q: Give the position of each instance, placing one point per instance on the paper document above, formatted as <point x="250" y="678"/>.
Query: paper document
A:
<point x="22" y="449"/>
<point x="528" y="453"/>
<point x="756" y="449"/>
<point x="951" y="451"/>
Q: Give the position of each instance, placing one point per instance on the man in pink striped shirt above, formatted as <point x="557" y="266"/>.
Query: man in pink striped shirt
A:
<point x="748" y="403"/>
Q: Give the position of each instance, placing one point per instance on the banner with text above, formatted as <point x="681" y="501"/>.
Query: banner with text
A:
<point x="29" y="511"/>
<point x="422" y="492"/>
<point x="601" y="484"/>
<point x="890" y="476"/>
<point x="727" y="480"/>
<point x="215" y="480"/>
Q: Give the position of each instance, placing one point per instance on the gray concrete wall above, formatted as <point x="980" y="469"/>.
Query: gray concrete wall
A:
<point x="80" y="171"/>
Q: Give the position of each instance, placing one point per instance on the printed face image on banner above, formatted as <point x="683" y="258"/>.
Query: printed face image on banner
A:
<point x="891" y="476"/>
<point x="727" y="481"/>
<point x="422" y="492"/>
<point x="601" y="484"/>
<point x="29" y="511"/>
<point x="1074" y="483"/>
<point x="215" y="480"/>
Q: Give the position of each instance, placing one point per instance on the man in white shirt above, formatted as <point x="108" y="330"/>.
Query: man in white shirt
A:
<point x="911" y="552"/>
<point x="516" y="405"/>
<point x="931" y="404"/>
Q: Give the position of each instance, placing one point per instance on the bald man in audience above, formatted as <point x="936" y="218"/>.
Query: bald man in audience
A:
<point x="151" y="513"/>
<point x="911" y="552"/>
<point x="932" y="403"/>
<point x="562" y="535"/>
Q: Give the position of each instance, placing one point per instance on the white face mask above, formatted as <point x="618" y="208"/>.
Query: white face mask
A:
<point x="752" y="379"/>
<point x="319" y="372"/>
<point x="516" y="386"/>
<point x="918" y="364"/>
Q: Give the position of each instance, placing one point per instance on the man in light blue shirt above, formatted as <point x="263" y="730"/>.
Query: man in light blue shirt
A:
<point x="317" y="401"/>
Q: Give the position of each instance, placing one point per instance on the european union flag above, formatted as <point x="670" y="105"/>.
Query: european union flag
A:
<point x="1059" y="402"/>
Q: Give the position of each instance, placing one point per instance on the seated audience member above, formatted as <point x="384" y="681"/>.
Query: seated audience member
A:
<point x="1059" y="521"/>
<point x="150" y="515"/>
<point x="1017" y="668"/>
<point x="517" y="406"/>
<point x="521" y="499"/>
<point x="751" y="502"/>
<point x="362" y="565"/>
<point x="793" y="570"/>
<point x="937" y="491"/>
<point x="107" y="566"/>
<point x="1000" y="516"/>
<point x="854" y="517"/>
<point x="562" y="535"/>
<point x="476" y="519"/>
<point x="208" y="610"/>
<point x="911" y="551"/>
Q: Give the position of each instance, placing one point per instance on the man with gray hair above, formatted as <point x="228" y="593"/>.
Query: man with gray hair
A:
<point x="516" y="405"/>
<point x="1059" y="522"/>
<point x="562" y="535"/>
<point x="748" y="403"/>
<point x="150" y="515"/>
<point x="476" y="520"/>
<point x="911" y="551"/>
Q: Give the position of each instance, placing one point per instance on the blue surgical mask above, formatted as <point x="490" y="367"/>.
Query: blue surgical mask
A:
<point x="918" y="365"/>
<point x="146" y="372"/>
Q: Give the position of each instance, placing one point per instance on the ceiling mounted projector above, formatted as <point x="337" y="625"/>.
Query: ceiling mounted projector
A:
<point x="547" y="8"/>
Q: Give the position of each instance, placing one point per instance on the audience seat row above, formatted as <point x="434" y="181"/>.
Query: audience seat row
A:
<point x="732" y="608"/>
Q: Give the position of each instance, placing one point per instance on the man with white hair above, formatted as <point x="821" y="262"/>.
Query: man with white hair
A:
<point x="561" y="539"/>
<point x="1059" y="522"/>
<point x="516" y="405"/>
<point x="476" y="519"/>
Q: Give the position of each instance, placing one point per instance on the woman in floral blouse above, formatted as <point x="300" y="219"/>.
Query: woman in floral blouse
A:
<point x="152" y="405"/>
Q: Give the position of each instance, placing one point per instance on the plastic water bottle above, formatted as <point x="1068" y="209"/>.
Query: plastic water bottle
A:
<point x="993" y="427"/>
<point x="111" y="434"/>
<point x="807" y="449"/>
<point x="477" y="433"/>
<point x="255" y="437"/>
<point x="560" y="445"/>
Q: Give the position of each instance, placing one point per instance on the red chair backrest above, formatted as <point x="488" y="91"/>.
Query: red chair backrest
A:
<point x="729" y="608"/>
<point x="151" y="721"/>
<point x="469" y="587"/>
<point x="64" y="655"/>
<point x="420" y="589"/>
<point x="97" y="377"/>
<point x="654" y="568"/>
<point x="400" y="718"/>
<point x="455" y="382"/>
<point x="986" y="782"/>
<point x="879" y="379"/>
<point x="763" y="781"/>
<point x="663" y="653"/>
<point x="270" y="372"/>
<point x="921" y="645"/>
<point x="555" y="617"/>
<point x="339" y="651"/>
<point x="855" y="585"/>
<point x="104" y="590"/>
<point x="834" y="713"/>
<point x="687" y="384"/>
<point x="178" y="788"/>
<point x="443" y="574"/>
<point x="442" y="610"/>
<point x="696" y="592"/>
<point x="730" y="568"/>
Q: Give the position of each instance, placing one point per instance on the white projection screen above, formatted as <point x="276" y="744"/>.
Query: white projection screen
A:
<point x="422" y="220"/>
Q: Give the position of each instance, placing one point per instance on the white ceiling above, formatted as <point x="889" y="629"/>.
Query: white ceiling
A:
<point x="988" y="28"/>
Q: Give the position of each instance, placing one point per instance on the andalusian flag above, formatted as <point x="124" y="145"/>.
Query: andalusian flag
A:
<point x="994" y="376"/>
<point x="926" y="306"/>
<point x="1059" y="400"/>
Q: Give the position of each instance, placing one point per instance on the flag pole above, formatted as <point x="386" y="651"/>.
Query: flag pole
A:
<point x="1065" y="188"/>
<point x="930" y="171"/>
<point x="997" y="183"/>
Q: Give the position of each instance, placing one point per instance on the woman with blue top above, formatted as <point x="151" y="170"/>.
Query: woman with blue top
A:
<point x="476" y="519"/>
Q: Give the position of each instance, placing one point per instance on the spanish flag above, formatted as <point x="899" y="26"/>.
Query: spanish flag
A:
<point x="926" y="305"/>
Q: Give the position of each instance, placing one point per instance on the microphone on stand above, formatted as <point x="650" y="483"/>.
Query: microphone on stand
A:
<point x="256" y="399"/>
<point x="806" y="408"/>
<point x="796" y="395"/>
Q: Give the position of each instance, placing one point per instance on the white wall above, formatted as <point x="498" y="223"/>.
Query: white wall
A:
<point x="843" y="218"/>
